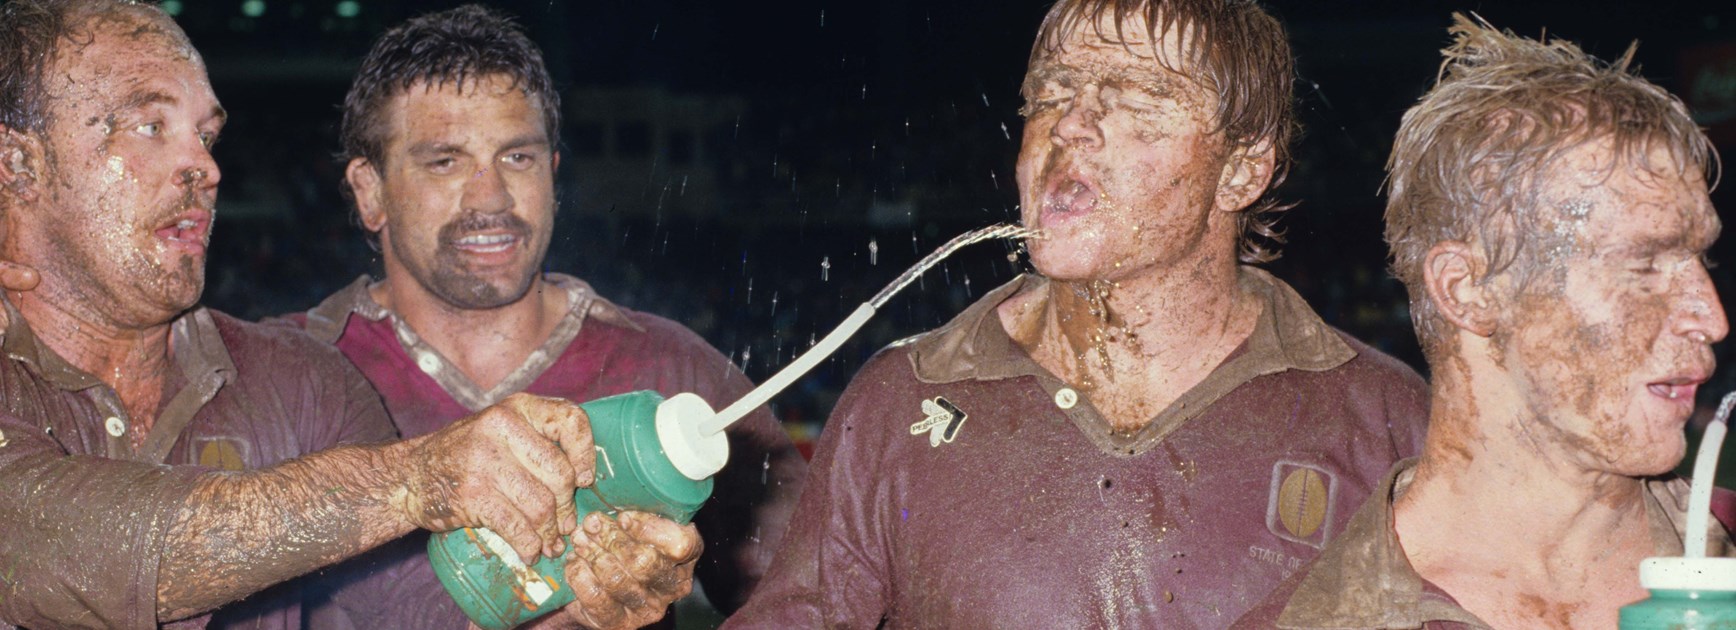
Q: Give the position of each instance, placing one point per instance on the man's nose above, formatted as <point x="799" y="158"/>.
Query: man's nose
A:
<point x="486" y="191"/>
<point x="200" y="169"/>
<point x="1701" y="315"/>
<point x="1081" y="121"/>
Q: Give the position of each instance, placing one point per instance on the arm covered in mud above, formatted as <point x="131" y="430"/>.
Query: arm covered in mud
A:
<point x="237" y="533"/>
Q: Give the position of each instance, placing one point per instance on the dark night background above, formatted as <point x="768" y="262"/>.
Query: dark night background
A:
<point x="732" y="165"/>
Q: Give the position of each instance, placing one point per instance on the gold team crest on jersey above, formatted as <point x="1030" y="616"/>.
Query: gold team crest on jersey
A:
<point x="941" y="420"/>
<point x="1301" y="502"/>
<point x="222" y="453"/>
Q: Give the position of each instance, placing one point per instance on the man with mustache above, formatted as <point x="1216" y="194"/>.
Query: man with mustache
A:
<point x="1549" y="214"/>
<point x="450" y="130"/>
<point x="1145" y="433"/>
<point x="154" y="455"/>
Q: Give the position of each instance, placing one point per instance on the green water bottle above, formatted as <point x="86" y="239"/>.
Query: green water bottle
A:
<point x="649" y="459"/>
<point x="1687" y="594"/>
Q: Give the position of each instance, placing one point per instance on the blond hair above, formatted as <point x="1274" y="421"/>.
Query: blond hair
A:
<point x="1472" y="156"/>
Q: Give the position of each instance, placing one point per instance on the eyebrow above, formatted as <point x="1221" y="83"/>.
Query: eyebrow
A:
<point x="1154" y="84"/>
<point x="441" y="147"/>
<point x="146" y="98"/>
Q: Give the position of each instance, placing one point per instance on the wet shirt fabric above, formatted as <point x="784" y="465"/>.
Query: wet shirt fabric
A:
<point x="239" y="395"/>
<point x="1364" y="580"/>
<point x="598" y="349"/>
<point x="960" y="485"/>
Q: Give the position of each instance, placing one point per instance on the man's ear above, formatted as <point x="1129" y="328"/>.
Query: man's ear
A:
<point x="365" y="182"/>
<point x="1246" y="174"/>
<point x="1454" y="274"/>
<point x="21" y="158"/>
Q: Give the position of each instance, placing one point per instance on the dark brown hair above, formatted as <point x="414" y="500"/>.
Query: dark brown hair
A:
<point x="450" y="47"/>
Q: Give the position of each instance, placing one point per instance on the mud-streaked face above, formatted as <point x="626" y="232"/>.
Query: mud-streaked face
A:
<point x="464" y="201"/>
<point x="1610" y="340"/>
<point x="125" y="215"/>
<point x="1121" y="161"/>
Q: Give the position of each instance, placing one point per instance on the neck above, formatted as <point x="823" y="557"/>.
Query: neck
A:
<point x="1551" y="529"/>
<point x="485" y="344"/>
<point x="1137" y="343"/>
<point x="133" y="360"/>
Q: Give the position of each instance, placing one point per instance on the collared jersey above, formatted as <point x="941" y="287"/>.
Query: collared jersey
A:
<point x="598" y="349"/>
<point x="958" y="484"/>
<point x="239" y="395"/>
<point x="1365" y="580"/>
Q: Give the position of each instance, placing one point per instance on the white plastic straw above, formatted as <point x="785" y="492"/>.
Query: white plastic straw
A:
<point x="1705" y="468"/>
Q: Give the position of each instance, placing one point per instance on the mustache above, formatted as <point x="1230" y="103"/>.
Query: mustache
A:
<point x="477" y="222"/>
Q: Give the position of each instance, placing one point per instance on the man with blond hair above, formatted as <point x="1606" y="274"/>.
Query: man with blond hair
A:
<point x="1147" y="432"/>
<point x="1549" y="215"/>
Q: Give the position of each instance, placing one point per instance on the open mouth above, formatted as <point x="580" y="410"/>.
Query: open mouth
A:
<point x="1069" y="196"/>
<point x="1676" y="389"/>
<point x="486" y="243"/>
<point x="189" y="231"/>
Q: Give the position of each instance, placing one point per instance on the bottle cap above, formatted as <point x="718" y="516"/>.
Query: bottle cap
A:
<point x="697" y="456"/>
<point x="1688" y="574"/>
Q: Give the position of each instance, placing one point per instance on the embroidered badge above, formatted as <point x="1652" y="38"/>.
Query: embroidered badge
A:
<point x="223" y="453"/>
<point x="941" y="422"/>
<point x="1301" y="503"/>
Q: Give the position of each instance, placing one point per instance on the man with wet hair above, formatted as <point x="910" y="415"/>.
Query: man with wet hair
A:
<point x="450" y="131"/>
<point x="154" y="455"/>
<point x="1549" y="215"/>
<point x="1147" y="432"/>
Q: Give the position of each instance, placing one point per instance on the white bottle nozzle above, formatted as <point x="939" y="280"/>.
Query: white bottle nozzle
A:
<point x="693" y="452"/>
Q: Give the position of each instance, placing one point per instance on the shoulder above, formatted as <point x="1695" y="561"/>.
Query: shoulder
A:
<point x="274" y="345"/>
<point x="1378" y="368"/>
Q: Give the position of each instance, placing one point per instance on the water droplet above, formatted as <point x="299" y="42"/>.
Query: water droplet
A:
<point x="986" y="102"/>
<point x="825" y="268"/>
<point x="864" y="91"/>
<point x="1004" y="132"/>
<point x="654" y="30"/>
<point x="750" y="290"/>
<point x="873" y="252"/>
<point x="822" y="18"/>
<point x="995" y="179"/>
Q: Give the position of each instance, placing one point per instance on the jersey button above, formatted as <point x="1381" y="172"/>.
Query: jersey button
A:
<point x="1066" y="398"/>
<point x="428" y="362"/>
<point x="116" y="426"/>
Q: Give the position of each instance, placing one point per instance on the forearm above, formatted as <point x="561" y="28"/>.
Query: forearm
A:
<point x="238" y="533"/>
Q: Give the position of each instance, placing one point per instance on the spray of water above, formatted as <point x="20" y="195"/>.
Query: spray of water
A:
<point x="836" y="338"/>
<point x="1004" y="230"/>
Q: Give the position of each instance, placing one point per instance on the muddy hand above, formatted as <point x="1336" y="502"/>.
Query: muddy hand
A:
<point x="510" y="468"/>
<point x="626" y="574"/>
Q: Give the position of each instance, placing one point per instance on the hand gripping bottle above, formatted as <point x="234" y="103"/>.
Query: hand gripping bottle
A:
<point x="638" y="468"/>
<point x="653" y="455"/>
<point x="1693" y="592"/>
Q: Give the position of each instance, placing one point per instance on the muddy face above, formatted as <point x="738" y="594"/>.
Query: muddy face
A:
<point x="1611" y="339"/>
<point x="465" y="203"/>
<point x="1120" y="163"/>
<point x="129" y="190"/>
